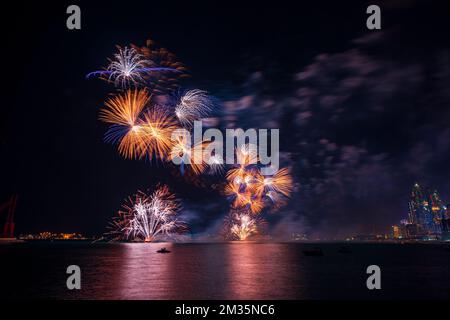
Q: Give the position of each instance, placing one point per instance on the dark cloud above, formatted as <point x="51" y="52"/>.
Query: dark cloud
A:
<point x="358" y="127"/>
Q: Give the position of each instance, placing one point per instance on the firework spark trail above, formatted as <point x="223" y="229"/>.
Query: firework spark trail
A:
<point x="280" y="182"/>
<point x="247" y="154"/>
<point x="128" y="68"/>
<point x="100" y="73"/>
<point x="246" y="160"/>
<point x="142" y="131"/>
<point x="183" y="152"/>
<point x="193" y="105"/>
<point x="125" y="109"/>
<point x="216" y="164"/>
<point x="248" y="201"/>
<point x="241" y="225"/>
<point x="148" y="218"/>
<point x="123" y="112"/>
<point x="138" y="132"/>
<point x="157" y="128"/>
<point x="236" y="174"/>
<point x="162" y="82"/>
<point x="243" y="199"/>
<point x="248" y="189"/>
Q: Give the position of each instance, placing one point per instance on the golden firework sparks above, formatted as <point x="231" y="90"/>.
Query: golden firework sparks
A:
<point x="157" y="127"/>
<point x="125" y="109"/>
<point x="280" y="182"/>
<point x="240" y="225"/>
<point x="188" y="154"/>
<point x="123" y="112"/>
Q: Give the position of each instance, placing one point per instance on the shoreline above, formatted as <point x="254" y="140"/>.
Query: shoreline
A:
<point x="311" y="242"/>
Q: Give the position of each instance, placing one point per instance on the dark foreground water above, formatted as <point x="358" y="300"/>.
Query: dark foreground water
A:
<point x="223" y="271"/>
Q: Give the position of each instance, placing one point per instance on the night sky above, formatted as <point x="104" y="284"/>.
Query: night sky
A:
<point x="362" y="114"/>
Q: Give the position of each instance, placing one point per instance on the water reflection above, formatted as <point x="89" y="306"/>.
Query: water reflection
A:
<point x="189" y="272"/>
<point x="261" y="271"/>
<point x="197" y="271"/>
<point x="243" y="270"/>
<point x="144" y="272"/>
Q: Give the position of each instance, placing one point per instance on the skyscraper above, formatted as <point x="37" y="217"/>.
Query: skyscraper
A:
<point x="426" y="210"/>
<point x="446" y="224"/>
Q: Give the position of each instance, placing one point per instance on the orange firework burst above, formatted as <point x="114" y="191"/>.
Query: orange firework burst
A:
<point x="133" y="144"/>
<point x="139" y="133"/>
<point x="250" y="179"/>
<point x="243" y="198"/>
<point x="157" y="127"/>
<point x="246" y="178"/>
<point x="246" y="155"/>
<point x="161" y="82"/>
<point x="123" y="112"/>
<point x="280" y="182"/>
<point x="248" y="200"/>
<point x="248" y="189"/>
<point x="235" y="175"/>
<point x="183" y="152"/>
<point x="232" y="189"/>
<point x="125" y="109"/>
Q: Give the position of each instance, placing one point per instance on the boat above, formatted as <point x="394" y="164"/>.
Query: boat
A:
<point x="314" y="252"/>
<point x="344" y="249"/>
<point x="163" y="250"/>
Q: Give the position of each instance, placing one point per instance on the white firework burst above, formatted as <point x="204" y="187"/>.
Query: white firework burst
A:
<point x="193" y="105"/>
<point x="127" y="68"/>
<point x="216" y="164"/>
<point x="147" y="218"/>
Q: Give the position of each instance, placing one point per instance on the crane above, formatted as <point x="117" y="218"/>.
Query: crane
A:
<point x="9" y="207"/>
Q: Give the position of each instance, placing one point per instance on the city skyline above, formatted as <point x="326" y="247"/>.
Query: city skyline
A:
<point x="428" y="216"/>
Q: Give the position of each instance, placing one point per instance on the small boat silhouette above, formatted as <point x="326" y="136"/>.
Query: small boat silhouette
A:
<point x="163" y="250"/>
<point x="314" y="252"/>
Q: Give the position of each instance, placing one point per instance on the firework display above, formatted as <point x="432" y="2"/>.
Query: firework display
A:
<point x="216" y="164"/>
<point x="123" y="113"/>
<point x="250" y="193"/>
<point x="280" y="182"/>
<point x="167" y="81"/>
<point x="129" y="68"/>
<point x="242" y="225"/>
<point x="139" y="126"/>
<point x="148" y="217"/>
<point x="193" y="105"/>
<point x="188" y="154"/>
<point x="143" y="127"/>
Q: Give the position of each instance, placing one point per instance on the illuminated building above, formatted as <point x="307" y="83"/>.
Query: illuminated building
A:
<point x="426" y="210"/>
<point x="395" y="232"/>
<point x="413" y="231"/>
<point x="446" y="224"/>
<point x="53" y="236"/>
